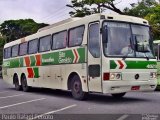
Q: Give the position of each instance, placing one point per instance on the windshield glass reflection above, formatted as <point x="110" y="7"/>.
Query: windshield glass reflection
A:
<point x="126" y="40"/>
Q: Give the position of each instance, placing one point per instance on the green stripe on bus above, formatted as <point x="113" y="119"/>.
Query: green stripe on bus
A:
<point x="36" y="72"/>
<point x="53" y="58"/>
<point x="135" y="64"/>
<point x="82" y="55"/>
<point x="21" y="62"/>
<point x="14" y="63"/>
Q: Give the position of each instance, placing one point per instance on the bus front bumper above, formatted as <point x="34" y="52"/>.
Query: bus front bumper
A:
<point x="127" y="86"/>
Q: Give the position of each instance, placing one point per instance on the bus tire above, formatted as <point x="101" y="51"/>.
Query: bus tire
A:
<point x="16" y="82"/>
<point x="25" y="86"/>
<point x="118" y="95"/>
<point x="76" y="89"/>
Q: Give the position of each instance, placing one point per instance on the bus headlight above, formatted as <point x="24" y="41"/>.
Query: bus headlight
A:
<point x="115" y="76"/>
<point x="153" y="75"/>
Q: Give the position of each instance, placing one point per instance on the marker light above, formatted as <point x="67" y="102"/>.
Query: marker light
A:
<point x="112" y="76"/>
<point x="115" y="76"/>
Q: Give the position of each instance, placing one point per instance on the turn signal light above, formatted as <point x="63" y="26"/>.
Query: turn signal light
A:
<point x="112" y="76"/>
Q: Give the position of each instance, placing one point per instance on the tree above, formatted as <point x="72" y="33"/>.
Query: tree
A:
<point x="149" y="10"/>
<point x="154" y="19"/>
<point x="15" y="29"/>
<point x="2" y="42"/>
<point x="141" y="9"/>
<point x="83" y="7"/>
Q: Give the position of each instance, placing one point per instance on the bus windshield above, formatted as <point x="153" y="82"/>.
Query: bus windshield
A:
<point x="126" y="40"/>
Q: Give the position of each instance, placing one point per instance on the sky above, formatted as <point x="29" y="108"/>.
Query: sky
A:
<point x="42" y="11"/>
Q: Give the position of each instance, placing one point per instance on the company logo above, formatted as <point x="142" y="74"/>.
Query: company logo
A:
<point x="120" y="64"/>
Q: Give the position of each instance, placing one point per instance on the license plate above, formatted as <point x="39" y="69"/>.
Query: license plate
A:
<point x="135" y="88"/>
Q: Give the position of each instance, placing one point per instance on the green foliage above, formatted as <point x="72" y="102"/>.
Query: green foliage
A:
<point x="150" y="10"/>
<point x="154" y="19"/>
<point x="83" y="7"/>
<point x="140" y="11"/>
<point x="15" y="29"/>
<point x="1" y="55"/>
<point x="2" y="42"/>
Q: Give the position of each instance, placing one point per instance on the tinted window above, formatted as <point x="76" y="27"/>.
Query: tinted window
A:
<point x="94" y="41"/>
<point x="141" y="36"/>
<point x="119" y="37"/>
<point x="59" y="40"/>
<point x="45" y="43"/>
<point x="23" y="49"/>
<point x="15" y="50"/>
<point x="33" y="46"/>
<point x="7" y="52"/>
<point x="76" y="36"/>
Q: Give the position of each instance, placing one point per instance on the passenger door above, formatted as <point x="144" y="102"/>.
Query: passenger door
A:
<point x="94" y="58"/>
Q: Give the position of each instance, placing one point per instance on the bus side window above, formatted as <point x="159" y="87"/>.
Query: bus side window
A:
<point x="33" y="46"/>
<point x="45" y="43"/>
<point x="94" y="41"/>
<point x="7" y="53"/>
<point x="59" y="40"/>
<point x="15" y="50"/>
<point x="23" y="48"/>
<point x="76" y="36"/>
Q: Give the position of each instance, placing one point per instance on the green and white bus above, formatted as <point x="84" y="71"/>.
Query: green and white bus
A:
<point x="99" y="53"/>
<point x="156" y="47"/>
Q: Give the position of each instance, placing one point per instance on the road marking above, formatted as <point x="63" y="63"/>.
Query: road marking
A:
<point x="39" y="116"/>
<point x="123" y="117"/>
<point x="4" y="91"/>
<point x="11" y="96"/>
<point x="21" y="103"/>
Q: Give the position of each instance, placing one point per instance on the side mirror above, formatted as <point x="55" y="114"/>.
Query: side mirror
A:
<point x="105" y="34"/>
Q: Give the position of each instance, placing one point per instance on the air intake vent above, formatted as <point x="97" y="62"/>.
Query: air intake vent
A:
<point x="144" y="22"/>
<point x="110" y="17"/>
<point x="102" y="17"/>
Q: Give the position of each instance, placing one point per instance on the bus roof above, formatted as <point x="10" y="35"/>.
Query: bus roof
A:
<point x="116" y="17"/>
<point x="77" y="21"/>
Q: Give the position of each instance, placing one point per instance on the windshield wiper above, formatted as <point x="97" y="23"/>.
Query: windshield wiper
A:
<point x="146" y="56"/>
<point x="124" y="57"/>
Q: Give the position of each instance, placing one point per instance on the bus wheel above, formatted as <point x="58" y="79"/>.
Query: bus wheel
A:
<point x="16" y="83"/>
<point x="25" y="87"/>
<point x="118" y="95"/>
<point x="76" y="88"/>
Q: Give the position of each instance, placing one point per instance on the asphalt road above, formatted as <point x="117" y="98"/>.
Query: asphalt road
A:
<point x="59" y="105"/>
